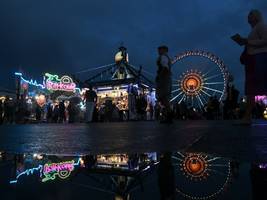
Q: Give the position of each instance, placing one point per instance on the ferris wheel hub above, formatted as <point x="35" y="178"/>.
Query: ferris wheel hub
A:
<point x="192" y="83"/>
<point x="195" y="166"/>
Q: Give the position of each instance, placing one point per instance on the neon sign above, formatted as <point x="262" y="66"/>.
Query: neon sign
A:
<point x="65" y="83"/>
<point x="50" y="171"/>
<point x="30" y="82"/>
<point x="52" y="82"/>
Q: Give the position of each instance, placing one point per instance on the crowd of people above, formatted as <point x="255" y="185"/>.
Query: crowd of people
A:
<point x="19" y="111"/>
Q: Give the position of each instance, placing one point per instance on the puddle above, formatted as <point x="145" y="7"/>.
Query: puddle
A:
<point x="151" y="175"/>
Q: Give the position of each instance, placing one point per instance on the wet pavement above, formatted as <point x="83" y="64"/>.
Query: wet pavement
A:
<point x="151" y="175"/>
<point x="216" y="137"/>
<point x="134" y="160"/>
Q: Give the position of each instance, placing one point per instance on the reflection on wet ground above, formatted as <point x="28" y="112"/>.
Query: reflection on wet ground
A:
<point x="169" y="175"/>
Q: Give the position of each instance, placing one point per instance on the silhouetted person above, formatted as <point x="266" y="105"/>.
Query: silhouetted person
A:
<point x="216" y="107"/>
<point x="210" y="108"/>
<point x="235" y="167"/>
<point x="62" y="112"/>
<point x="1" y="112"/>
<point x="141" y="105"/>
<point x="258" y="110"/>
<point x="254" y="58"/>
<point x="133" y="161"/>
<point x="38" y="113"/>
<point x="20" y="109"/>
<point x="150" y="106"/>
<point x="183" y="110"/>
<point x="55" y="114"/>
<point x="89" y="161"/>
<point x="121" y="190"/>
<point x="258" y="178"/>
<point x="91" y="99"/>
<point x="71" y="111"/>
<point x="8" y="110"/>
<point x="132" y="93"/>
<point x="164" y="83"/>
<point x="166" y="177"/>
<point x="49" y="115"/>
<point x="108" y="110"/>
<point x="231" y="102"/>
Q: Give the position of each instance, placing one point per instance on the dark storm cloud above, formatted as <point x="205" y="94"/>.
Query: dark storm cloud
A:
<point x="67" y="36"/>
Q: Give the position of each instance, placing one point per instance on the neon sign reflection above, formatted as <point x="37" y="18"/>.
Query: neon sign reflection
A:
<point x="50" y="171"/>
<point x="62" y="170"/>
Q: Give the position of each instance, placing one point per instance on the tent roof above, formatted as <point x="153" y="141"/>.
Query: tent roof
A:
<point x="104" y="77"/>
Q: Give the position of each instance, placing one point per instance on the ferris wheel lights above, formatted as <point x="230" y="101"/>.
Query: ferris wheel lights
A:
<point x="190" y="166"/>
<point x="201" y="92"/>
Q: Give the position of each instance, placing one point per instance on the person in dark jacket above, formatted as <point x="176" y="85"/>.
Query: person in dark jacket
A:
<point x="71" y="111"/>
<point x="91" y="99"/>
<point x="62" y="112"/>
<point x="166" y="177"/>
<point x="38" y="113"/>
<point x="55" y="114"/>
<point x="1" y="112"/>
<point x="49" y="115"/>
<point x="164" y="83"/>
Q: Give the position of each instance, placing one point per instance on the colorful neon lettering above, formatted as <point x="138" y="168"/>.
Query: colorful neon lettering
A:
<point x="62" y="170"/>
<point x="56" y="167"/>
<point x="51" y="171"/>
<point x="60" y="86"/>
<point x="65" y="83"/>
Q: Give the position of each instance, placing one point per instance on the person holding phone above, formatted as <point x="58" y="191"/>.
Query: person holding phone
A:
<point x="254" y="57"/>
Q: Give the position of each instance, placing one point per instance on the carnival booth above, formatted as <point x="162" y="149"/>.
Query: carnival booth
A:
<point x="120" y="83"/>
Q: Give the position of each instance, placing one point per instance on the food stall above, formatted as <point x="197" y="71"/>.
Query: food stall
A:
<point x="120" y="83"/>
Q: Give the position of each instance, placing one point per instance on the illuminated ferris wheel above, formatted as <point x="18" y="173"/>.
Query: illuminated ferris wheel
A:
<point x="198" y="76"/>
<point x="200" y="176"/>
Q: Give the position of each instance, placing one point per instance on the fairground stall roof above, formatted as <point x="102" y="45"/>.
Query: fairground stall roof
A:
<point x="118" y="73"/>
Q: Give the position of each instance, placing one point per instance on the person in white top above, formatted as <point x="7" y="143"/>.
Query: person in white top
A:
<point x="150" y="98"/>
<point x="254" y="58"/>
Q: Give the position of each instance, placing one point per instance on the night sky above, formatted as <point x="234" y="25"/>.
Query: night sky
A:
<point x="65" y="36"/>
